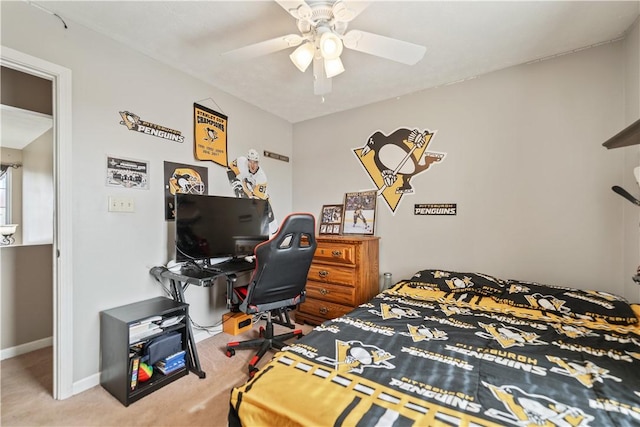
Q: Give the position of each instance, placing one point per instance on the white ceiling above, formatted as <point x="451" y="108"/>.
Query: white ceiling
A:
<point x="463" y="40"/>
<point x="19" y="128"/>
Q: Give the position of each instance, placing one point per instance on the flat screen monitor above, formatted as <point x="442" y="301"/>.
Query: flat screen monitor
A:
<point x="218" y="227"/>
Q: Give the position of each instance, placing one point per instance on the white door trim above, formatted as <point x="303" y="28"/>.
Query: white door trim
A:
<point x="62" y="237"/>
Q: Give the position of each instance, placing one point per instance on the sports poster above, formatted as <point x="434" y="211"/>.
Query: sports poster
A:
<point x="185" y="179"/>
<point x="393" y="160"/>
<point x="127" y="173"/>
<point x="209" y="135"/>
<point x="359" y="213"/>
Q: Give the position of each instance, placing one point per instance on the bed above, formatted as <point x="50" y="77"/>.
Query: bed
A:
<point x="458" y="349"/>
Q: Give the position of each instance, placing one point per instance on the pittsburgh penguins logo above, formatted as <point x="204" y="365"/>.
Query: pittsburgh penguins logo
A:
<point x="586" y="372"/>
<point x="424" y="333"/>
<point x="547" y="302"/>
<point x="517" y="288"/>
<point x="525" y="409"/>
<point x="129" y="119"/>
<point x="456" y="283"/>
<point x="573" y="331"/>
<point x="354" y="356"/>
<point x="508" y="336"/>
<point x="394" y="311"/>
<point x="212" y="135"/>
<point x="451" y="310"/>
<point x="440" y="274"/>
<point x="392" y="160"/>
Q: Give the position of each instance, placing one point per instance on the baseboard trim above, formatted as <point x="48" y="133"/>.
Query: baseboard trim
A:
<point x="94" y="380"/>
<point x="10" y="352"/>
<point x="86" y="383"/>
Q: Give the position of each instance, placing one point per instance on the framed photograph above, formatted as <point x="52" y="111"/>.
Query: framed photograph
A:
<point x="331" y="219"/>
<point x="127" y="173"/>
<point x="359" y="213"/>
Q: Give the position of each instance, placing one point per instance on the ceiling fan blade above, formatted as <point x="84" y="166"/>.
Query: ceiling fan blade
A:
<point x="345" y="11"/>
<point x="385" y="47"/>
<point x="264" y="48"/>
<point x="321" y="84"/>
<point x="299" y="9"/>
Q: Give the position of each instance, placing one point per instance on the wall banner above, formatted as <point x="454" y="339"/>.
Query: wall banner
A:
<point x="209" y="135"/>
<point x="134" y="123"/>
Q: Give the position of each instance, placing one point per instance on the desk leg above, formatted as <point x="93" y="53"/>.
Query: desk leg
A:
<point x="193" y="361"/>
<point x="231" y="279"/>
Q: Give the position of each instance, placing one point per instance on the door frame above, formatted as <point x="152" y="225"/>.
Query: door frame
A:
<point x="62" y="212"/>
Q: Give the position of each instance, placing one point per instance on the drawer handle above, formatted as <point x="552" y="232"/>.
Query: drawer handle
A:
<point x="323" y="273"/>
<point x="324" y="310"/>
<point x="336" y="253"/>
<point x="323" y="291"/>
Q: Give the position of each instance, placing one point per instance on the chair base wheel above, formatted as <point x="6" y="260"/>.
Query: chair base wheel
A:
<point x="230" y="352"/>
<point x="252" y="371"/>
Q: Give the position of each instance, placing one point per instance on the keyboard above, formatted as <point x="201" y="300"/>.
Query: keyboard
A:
<point x="196" y="272"/>
<point x="233" y="266"/>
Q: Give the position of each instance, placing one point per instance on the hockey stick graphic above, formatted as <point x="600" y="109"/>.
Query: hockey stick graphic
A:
<point x="624" y="193"/>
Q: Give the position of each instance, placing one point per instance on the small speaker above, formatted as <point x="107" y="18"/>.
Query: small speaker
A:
<point x="236" y="323"/>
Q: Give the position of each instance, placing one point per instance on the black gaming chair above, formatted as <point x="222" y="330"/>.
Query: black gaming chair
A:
<point x="278" y="282"/>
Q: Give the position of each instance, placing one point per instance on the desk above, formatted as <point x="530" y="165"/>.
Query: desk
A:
<point x="179" y="283"/>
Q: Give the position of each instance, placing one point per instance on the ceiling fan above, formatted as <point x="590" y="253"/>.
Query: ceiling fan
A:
<point x="323" y="34"/>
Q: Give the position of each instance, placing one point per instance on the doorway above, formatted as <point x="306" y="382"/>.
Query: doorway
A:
<point x="60" y="78"/>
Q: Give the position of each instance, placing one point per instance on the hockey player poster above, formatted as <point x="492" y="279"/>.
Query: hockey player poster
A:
<point x="209" y="135"/>
<point x="359" y="213"/>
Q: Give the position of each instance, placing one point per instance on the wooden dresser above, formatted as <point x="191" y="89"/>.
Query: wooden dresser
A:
<point x="344" y="274"/>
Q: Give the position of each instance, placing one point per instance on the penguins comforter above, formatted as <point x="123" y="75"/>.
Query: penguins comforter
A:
<point x="458" y="349"/>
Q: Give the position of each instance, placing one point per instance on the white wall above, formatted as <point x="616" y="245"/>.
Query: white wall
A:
<point x="37" y="186"/>
<point x="632" y="160"/>
<point x="112" y="252"/>
<point x="26" y="297"/>
<point x="525" y="164"/>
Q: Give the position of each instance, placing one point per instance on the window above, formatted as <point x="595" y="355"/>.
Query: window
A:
<point x="5" y="196"/>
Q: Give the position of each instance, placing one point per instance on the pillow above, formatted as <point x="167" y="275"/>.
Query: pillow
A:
<point x="455" y="282"/>
<point x="577" y="303"/>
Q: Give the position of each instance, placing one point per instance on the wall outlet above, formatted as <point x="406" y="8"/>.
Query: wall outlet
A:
<point x="121" y="204"/>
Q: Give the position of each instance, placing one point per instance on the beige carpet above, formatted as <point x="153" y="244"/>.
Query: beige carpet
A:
<point x="26" y="393"/>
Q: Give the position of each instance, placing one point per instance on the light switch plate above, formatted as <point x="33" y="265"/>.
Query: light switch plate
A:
<point x="121" y="204"/>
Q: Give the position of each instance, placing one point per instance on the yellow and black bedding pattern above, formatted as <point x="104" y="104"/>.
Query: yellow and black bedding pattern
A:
<point x="424" y="357"/>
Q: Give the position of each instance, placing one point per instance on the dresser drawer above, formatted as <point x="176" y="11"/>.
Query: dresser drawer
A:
<point x="332" y="293"/>
<point x="323" y="309"/>
<point x="343" y="253"/>
<point x="332" y="274"/>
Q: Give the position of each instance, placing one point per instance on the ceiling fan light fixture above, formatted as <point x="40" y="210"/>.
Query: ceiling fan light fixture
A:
<point x="302" y="56"/>
<point x="333" y="67"/>
<point x="330" y="45"/>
